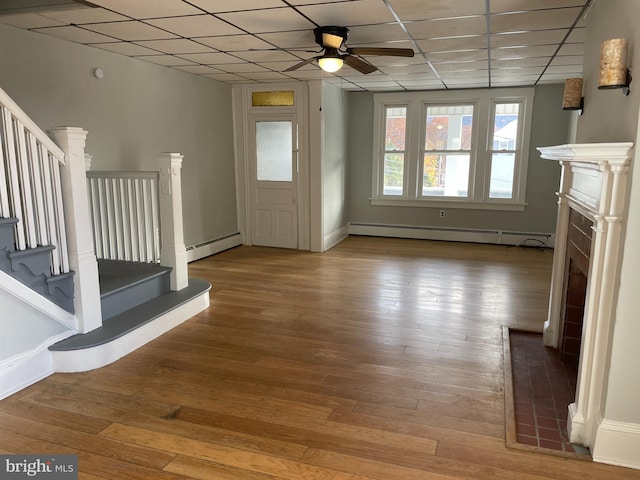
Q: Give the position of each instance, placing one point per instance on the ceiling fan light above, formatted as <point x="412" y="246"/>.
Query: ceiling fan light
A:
<point x="330" y="64"/>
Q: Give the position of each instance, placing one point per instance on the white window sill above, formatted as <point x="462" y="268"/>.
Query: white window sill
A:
<point x="449" y="203"/>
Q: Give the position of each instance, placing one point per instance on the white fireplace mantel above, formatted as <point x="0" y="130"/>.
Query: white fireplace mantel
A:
<point x="594" y="183"/>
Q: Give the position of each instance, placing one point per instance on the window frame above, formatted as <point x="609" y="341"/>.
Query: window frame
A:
<point x="484" y="102"/>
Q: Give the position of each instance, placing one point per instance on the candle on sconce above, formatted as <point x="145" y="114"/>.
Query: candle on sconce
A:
<point x="572" y="97"/>
<point x="613" y="63"/>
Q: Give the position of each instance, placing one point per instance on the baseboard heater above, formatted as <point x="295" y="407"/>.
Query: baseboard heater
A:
<point x="499" y="237"/>
<point x="211" y="247"/>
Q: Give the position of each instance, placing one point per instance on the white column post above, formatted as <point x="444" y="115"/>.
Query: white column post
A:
<point x="551" y="330"/>
<point x="82" y="258"/>
<point x="173" y="252"/>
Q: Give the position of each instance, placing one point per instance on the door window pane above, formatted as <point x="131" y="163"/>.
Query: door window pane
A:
<point x="395" y="134"/>
<point x="274" y="150"/>
<point x="446" y="175"/>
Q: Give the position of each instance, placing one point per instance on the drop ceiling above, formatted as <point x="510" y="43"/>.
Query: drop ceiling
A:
<point x="458" y="43"/>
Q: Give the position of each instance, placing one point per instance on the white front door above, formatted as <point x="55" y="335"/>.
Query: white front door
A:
<point x="274" y="181"/>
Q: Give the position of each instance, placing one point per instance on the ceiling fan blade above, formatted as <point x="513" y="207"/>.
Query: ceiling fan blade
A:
<point x="331" y="41"/>
<point x="383" y="52"/>
<point x="359" y="65"/>
<point x="301" y="64"/>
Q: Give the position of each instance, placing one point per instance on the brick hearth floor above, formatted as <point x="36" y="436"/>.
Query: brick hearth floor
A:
<point x="543" y="387"/>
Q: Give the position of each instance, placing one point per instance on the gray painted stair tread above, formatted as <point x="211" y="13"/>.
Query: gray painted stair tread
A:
<point x="116" y="275"/>
<point x="128" y="321"/>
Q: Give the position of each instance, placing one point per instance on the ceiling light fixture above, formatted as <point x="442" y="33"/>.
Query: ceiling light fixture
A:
<point x="331" y="61"/>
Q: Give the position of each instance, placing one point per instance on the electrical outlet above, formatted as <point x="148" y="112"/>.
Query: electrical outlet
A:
<point x="441" y="213"/>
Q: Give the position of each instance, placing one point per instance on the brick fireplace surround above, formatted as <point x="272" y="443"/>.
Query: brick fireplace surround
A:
<point x="591" y="215"/>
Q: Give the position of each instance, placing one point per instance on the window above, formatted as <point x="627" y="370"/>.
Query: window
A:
<point x="394" y="142"/>
<point x="465" y="148"/>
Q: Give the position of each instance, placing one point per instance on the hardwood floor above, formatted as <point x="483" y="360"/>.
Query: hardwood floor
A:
<point x="380" y="359"/>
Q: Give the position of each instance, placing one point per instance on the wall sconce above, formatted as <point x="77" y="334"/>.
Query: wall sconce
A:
<point x="613" y="65"/>
<point x="572" y="98"/>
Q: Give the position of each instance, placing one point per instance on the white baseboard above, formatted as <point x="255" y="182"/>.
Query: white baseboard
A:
<point x="196" y="252"/>
<point x="28" y="368"/>
<point x="500" y="237"/>
<point x="335" y="237"/>
<point x="101" y="355"/>
<point x="617" y="443"/>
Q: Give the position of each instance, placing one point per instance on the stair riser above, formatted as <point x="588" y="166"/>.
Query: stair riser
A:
<point x="115" y="303"/>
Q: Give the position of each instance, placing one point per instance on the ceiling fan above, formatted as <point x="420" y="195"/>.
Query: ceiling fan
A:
<point x="335" y="53"/>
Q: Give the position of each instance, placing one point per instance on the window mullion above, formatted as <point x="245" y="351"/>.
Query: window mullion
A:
<point x="414" y="139"/>
<point x="480" y="188"/>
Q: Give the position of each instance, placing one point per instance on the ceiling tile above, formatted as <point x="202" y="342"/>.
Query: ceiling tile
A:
<point x="142" y="9"/>
<point x="429" y="9"/>
<point x="450" y="27"/>
<point x="396" y="61"/>
<point x="196" y="26"/>
<point x="446" y="67"/>
<point x="270" y="20"/>
<point x="423" y="69"/>
<point x="462" y="56"/>
<point x="225" y="77"/>
<point x="510" y="72"/>
<point x="212" y="58"/>
<point x="130" y="31"/>
<point x="448" y="44"/>
<point x="407" y="77"/>
<point x="270" y="76"/>
<point x="521" y="62"/>
<point x="356" y="12"/>
<point x="240" y="67"/>
<point x="198" y="69"/>
<point x="499" y="6"/>
<point x="29" y="20"/>
<point x="233" y="43"/>
<point x="375" y="33"/>
<point x="415" y="84"/>
<point x="292" y="39"/>
<point x="565" y="69"/>
<point x="219" y="6"/>
<point x="125" y="48"/>
<point x="85" y="15"/>
<point x="568" y="60"/>
<point x="521" y="39"/>
<point x="75" y="34"/>
<point x="577" y="35"/>
<point x="572" y="49"/>
<point x="166" y="60"/>
<point x="268" y="56"/>
<point x="175" y="46"/>
<point x="534" y="20"/>
<point x="315" y="74"/>
<point x="522" y="52"/>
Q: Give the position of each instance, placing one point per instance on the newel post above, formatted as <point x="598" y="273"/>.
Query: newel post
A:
<point x="82" y="258"/>
<point x="173" y="252"/>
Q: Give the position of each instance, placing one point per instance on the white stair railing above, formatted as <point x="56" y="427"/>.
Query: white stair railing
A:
<point x="124" y="214"/>
<point x="30" y="186"/>
<point x="137" y="216"/>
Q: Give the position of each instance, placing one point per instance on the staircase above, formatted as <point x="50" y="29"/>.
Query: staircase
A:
<point x="62" y="309"/>
<point x="31" y="267"/>
<point x="137" y="306"/>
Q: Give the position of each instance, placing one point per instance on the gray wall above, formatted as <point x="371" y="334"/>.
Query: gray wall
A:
<point x="611" y="117"/>
<point x="550" y="127"/>
<point x="136" y="111"/>
<point x="334" y="109"/>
